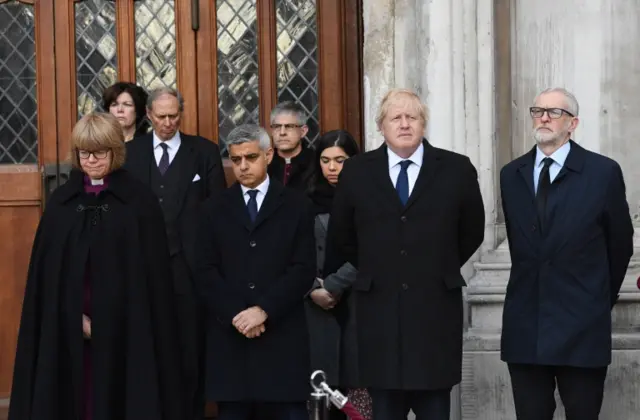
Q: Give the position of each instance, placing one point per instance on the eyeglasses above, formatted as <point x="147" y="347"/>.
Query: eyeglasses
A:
<point x="99" y="154"/>
<point x="553" y="113"/>
<point x="287" y="127"/>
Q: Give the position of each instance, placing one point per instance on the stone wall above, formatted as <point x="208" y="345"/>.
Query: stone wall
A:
<point x="478" y="65"/>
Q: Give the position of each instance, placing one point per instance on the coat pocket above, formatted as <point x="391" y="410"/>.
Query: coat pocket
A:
<point x="362" y="283"/>
<point x="454" y="281"/>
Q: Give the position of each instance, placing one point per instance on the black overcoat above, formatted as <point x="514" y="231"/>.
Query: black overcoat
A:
<point x="408" y="289"/>
<point x="134" y="336"/>
<point x="563" y="285"/>
<point x="270" y="264"/>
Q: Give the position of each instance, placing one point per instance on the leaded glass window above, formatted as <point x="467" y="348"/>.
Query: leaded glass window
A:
<point x="18" y="110"/>
<point x="237" y="66"/>
<point x="297" y="46"/>
<point x="96" y="58"/>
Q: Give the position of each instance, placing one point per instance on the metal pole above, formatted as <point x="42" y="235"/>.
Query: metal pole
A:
<point x="319" y="399"/>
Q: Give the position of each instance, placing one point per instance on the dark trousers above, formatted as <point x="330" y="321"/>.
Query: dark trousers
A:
<point x="262" y="411"/>
<point x="395" y="405"/>
<point x="192" y="338"/>
<point x="581" y="391"/>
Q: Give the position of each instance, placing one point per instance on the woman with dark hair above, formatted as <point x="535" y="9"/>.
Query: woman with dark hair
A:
<point x="127" y="102"/>
<point x="330" y="308"/>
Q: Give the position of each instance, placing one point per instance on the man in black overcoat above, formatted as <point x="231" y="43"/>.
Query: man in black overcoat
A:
<point x="571" y="239"/>
<point x="116" y="244"/>
<point x="256" y="263"/>
<point x="408" y="215"/>
<point x="183" y="171"/>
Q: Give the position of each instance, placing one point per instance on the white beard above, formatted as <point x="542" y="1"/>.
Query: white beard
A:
<point x="544" y="137"/>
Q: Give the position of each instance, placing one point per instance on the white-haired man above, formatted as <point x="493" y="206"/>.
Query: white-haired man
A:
<point x="571" y="238"/>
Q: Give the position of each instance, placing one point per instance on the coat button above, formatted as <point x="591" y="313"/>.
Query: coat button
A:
<point x="403" y="218"/>
<point x="533" y="228"/>
<point x="403" y="252"/>
<point x="320" y="248"/>
<point x="161" y="199"/>
<point x="161" y="186"/>
<point x="251" y="286"/>
<point x="405" y="286"/>
<point x="252" y="244"/>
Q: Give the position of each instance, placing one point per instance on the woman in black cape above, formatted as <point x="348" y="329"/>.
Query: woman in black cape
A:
<point x="98" y="337"/>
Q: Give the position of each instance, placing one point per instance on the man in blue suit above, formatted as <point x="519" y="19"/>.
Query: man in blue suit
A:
<point x="571" y="239"/>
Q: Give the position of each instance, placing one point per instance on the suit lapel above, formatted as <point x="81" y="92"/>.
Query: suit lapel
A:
<point x="430" y="162"/>
<point x="271" y="203"/>
<point x="188" y="166"/>
<point x="526" y="215"/>
<point x="237" y="206"/>
<point x="564" y="204"/>
<point x="380" y="174"/>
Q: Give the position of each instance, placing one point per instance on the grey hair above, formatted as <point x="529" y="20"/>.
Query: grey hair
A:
<point x="247" y="133"/>
<point x="158" y="92"/>
<point x="289" y="107"/>
<point x="572" y="102"/>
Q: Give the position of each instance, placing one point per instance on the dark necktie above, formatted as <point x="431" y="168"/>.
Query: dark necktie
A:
<point x="252" y="205"/>
<point x="402" y="184"/>
<point x="163" y="165"/>
<point x="544" y="182"/>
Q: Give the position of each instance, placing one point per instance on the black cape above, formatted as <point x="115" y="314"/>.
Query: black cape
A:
<point x="118" y="240"/>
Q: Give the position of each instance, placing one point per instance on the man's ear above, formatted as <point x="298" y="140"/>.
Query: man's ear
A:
<point x="268" y="154"/>
<point x="304" y="129"/>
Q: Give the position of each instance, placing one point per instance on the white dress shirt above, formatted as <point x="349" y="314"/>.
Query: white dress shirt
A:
<point x="558" y="157"/>
<point x="262" y="192"/>
<point x="412" y="171"/>
<point x="173" y="146"/>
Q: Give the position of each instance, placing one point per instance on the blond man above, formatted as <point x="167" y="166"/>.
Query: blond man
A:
<point x="408" y="215"/>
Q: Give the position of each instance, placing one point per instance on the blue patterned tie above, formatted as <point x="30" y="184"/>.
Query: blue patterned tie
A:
<point x="252" y="205"/>
<point x="163" y="165"/>
<point x="402" y="184"/>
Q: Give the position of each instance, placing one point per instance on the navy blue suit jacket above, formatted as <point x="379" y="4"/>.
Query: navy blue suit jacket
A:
<point x="564" y="283"/>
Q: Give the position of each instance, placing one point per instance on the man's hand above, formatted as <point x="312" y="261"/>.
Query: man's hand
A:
<point x="323" y="299"/>
<point x="249" y="319"/>
<point x="255" y="332"/>
<point x="86" y="326"/>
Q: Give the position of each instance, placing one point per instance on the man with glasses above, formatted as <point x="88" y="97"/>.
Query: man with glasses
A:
<point x="571" y="239"/>
<point x="292" y="163"/>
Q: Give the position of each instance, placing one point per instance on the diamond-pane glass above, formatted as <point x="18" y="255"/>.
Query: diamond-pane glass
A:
<point x="237" y="66"/>
<point x="297" y="46"/>
<point x="18" y="111"/>
<point x="155" y="43"/>
<point x="95" y="51"/>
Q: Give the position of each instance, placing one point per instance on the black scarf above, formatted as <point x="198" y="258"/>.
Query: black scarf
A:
<point x="321" y="195"/>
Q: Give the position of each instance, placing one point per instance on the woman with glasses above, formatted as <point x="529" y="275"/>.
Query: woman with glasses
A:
<point x="127" y="102"/>
<point x="330" y="309"/>
<point x="97" y="337"/>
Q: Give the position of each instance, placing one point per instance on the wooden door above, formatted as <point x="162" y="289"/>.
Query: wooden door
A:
<point x="253" y="54"/>
<point x="27" y="144"/>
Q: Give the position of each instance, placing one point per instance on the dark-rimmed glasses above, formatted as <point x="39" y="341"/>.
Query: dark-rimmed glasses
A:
<point x="98" y="154"/>
<point x="287" y="127"/>
<point x="553" y="113"/>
